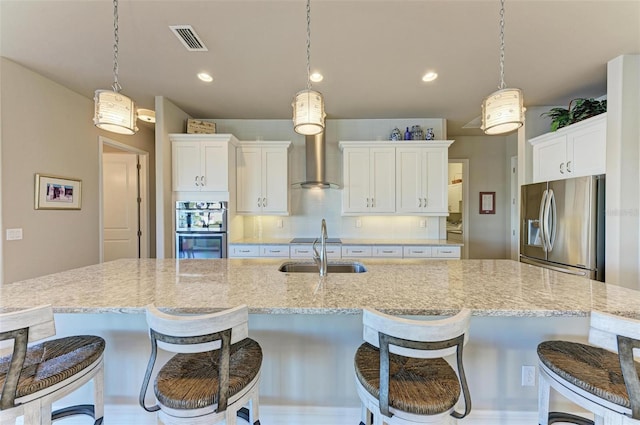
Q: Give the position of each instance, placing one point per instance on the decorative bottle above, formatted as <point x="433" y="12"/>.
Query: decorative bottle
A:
<point x="407" y="134"/>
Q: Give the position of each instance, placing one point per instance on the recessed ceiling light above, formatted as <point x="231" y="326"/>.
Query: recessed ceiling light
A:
<point x="316" y="77"/>
<point x="429" y="76"/>
<point x="205" y="77"/>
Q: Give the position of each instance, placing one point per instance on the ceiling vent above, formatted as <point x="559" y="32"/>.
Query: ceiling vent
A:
<point x="189" y="38"/>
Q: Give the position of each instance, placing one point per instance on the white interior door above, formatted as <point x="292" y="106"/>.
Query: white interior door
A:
<point x="120" y="201"/>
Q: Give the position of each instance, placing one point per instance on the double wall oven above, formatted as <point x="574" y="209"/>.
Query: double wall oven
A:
<point x="201" y="229"/>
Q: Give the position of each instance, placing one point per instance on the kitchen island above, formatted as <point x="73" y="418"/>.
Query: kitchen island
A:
<point x="309" y="327"/>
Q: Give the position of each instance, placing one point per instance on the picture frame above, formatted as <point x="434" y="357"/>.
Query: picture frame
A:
<point x="487" y="202"/>
<point x="57" y="193"/>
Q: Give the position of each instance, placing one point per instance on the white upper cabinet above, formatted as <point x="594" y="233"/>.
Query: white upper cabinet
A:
<point x="262" y="178"/>
<point x="576" y="150"/>
<point x="421" y="179"/>
<point x="201" y="162"/>
<point x="369" y="180"/>
<point x="395" y="177"/>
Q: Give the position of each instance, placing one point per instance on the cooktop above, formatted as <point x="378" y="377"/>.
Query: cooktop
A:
<point x="310" y="240"/>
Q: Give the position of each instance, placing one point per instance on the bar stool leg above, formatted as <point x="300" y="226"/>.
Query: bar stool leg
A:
<point x="98" y="395"/>
<point x="543" y="400"/>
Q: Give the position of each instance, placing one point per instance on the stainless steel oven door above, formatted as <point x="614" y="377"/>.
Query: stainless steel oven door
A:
<point x="201" y="245"/>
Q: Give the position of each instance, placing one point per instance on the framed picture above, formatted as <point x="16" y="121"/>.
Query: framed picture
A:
<point x="487" y="202"/>
<point x="58" y="193"/>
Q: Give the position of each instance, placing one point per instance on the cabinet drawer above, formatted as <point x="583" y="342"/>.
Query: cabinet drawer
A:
<point x="387" y="251"/>
<point x="356" y="251"/>
<point x="274" y="251"/>
<point x="244" y="251"/>
<point x="306" y="251"/>
<point x="446" y="252"/>
<point x="418" y="252"/>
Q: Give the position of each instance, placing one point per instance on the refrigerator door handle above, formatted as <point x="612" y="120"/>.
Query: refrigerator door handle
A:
<point x="551" y="208"/>
<point x="541" y="221"/>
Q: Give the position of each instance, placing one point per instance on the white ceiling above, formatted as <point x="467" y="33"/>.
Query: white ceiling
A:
<point x="371" y="52"/>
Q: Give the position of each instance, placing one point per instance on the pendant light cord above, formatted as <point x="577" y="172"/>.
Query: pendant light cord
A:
<point x="116" y="85"/>
<point x="502" y="83"/>
<point x="308" y="44"/>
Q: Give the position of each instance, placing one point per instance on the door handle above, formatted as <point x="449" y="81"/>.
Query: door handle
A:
<point x="202" y="182"/>
<point x="568" y="166"/>
<point x="259" y="203"/>
<point x="425" y="202"/>
<point x="367" y="202"/>
<point x="541" y="224"/>
<point x="264" y="202"/>
<point x="373" y="203"/>
<point x="562" y="168"/>
<point x="419" y="202"/>
<point x="196" y="179"/>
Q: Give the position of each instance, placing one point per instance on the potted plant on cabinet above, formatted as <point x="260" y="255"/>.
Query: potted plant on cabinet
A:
<point x="581" y="110"/>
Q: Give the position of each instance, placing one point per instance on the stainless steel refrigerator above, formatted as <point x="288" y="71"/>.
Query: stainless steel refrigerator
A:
<point x="562" y="225"/>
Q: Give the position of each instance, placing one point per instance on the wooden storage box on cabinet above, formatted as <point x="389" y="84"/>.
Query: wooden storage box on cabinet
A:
<point x="576" y="150"/>
<point x="202" y="162"/>
<point x="262" y="178"/>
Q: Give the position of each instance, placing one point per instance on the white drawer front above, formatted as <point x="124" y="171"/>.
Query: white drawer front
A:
<point x="274" y="251"/>
<point x="244" y="251"/>
<point x="418" y="252"/>
<point x="387" y="251"/>
<point x="446" y="252"/>
<point x="356" y="251"/>
<point x="306" y="251"/>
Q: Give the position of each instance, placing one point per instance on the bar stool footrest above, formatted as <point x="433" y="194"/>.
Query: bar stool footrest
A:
<point x="567" y="417"/>
<point x="80" y="409"/>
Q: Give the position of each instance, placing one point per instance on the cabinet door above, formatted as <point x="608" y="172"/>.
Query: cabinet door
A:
<point x="215" y="166"/>
<point x="382" y="181"/>
<point x="186" y="165"/>
<point x="249" y="180"/>
<point x="355" y="195"/>
<point x="408" y="180"/>
<point x="435" y="175"/>
<point x="587" y="151"/>
<point x="549" y="159"/>
<point x="275" y="181"/>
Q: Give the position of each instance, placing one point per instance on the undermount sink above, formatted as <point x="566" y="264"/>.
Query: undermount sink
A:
<point x="341" y="267"/>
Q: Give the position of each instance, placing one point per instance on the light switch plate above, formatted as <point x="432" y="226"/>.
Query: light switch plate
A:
<point x="14" y="234"/>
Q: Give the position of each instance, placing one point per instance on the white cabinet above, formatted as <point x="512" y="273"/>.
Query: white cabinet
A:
<point x="369" y="180"/>
<point x="573" y="151"/>
<point x="387" y="251"/>
<point x="202" y="162"/>
<point x="416" y="251"/>
<point x="279" y="251"/>
<point x="306" y="251"/>
<point x="446" y="252"/>
<point x="262" y="178"/>
<point x="357" y="251"/>
<point x="455" y="197"/>
<point x="421" y="179"/>
<point x="244" y="251"/>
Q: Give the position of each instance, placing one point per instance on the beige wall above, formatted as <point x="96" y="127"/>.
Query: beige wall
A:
<point x="48" y="129"/>
<point x="489" y="157"/>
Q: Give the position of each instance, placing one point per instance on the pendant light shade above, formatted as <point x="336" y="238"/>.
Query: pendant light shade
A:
<point x="503" y="110"/>
<point x="308" y="113"/>
<point x="114" y="111"/>
<point x="308" y="105"/>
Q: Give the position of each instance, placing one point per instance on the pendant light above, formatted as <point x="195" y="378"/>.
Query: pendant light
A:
<point x="308" y="105"/>
<point x="503" y="110"/>
<point x="114" y="111"/>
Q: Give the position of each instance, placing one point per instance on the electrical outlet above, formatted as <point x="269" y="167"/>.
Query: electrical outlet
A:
<point x="528" y="376"/>
<point x="14" y="234"/>
<point x="423" y="223"/>
<point x="358" y="223"/>
<point x="279" y="223"/>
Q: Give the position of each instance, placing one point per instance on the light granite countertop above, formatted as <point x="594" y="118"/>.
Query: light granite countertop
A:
<point x="351" y="241"/>
<point x="410" y="287"/>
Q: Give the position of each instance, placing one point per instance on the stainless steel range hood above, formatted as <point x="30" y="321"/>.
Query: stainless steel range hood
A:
<point x="315" y="147"/>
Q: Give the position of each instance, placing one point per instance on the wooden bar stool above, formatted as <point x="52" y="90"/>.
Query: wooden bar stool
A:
<point x="214" y="374"/>
<point x="401" y="375"/>
<point x="602" y="377"/>
<point x="32" y="377"/>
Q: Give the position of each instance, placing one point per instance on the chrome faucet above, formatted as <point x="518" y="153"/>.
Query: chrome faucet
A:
<point x="321" y="257"/>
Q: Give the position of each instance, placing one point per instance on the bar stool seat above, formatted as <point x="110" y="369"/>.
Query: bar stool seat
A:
<point x="32" y="377"/>
<point x="191" y="381"/>
<point x="601" y="377"/>
<point x="419" y="386"/>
